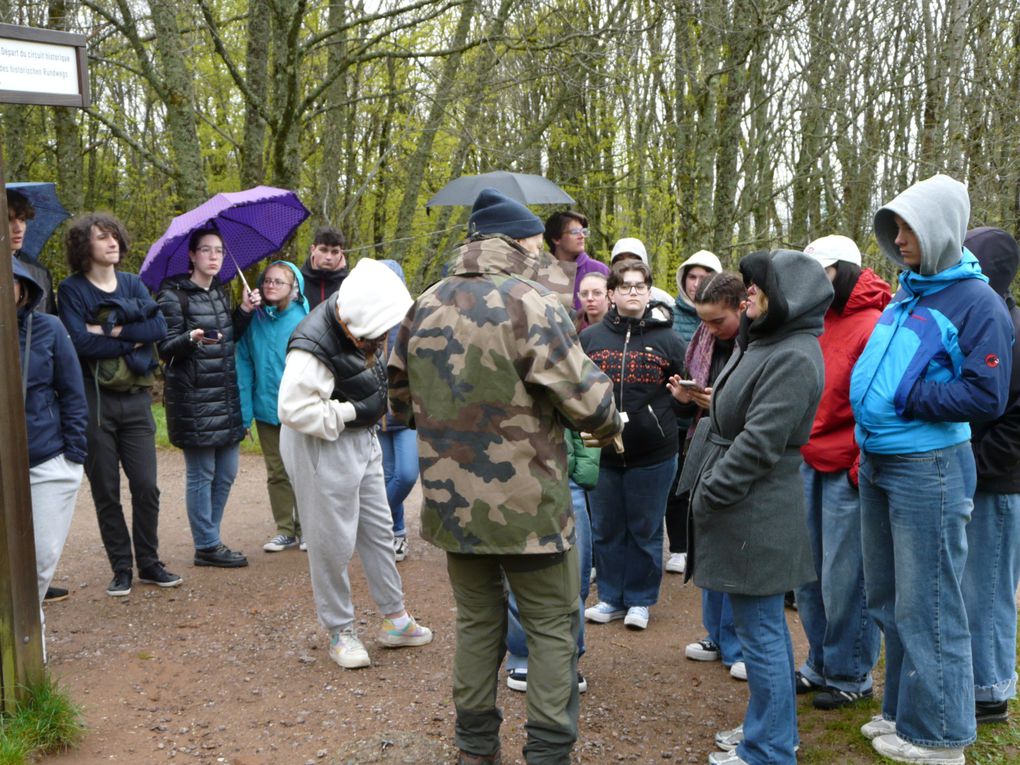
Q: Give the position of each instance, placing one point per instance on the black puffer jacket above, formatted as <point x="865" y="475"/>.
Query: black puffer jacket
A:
<point x="203" y="402"/>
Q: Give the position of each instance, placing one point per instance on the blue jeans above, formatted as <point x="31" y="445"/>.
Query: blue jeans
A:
<point x="628" y="507"/>
<point x="843" y="639"/>
<point x="210" y="474"/>
<point x="717" y="616"/>
<point x="770" y="723"/>
<point x="400" y="468"/>
<point x="914" y="511"/>
<point x="517" y="648"/>
<point x="990" y="581"/>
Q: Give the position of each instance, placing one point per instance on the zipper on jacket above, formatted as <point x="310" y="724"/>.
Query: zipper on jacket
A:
<point x="623" y="372"/>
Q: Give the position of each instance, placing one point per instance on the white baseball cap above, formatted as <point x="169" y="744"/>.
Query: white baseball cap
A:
<point x="829" y="250"/>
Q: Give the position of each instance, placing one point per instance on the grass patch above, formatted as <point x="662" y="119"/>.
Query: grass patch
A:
<point x="248" y="445"/>
<point x="46" y="721"/>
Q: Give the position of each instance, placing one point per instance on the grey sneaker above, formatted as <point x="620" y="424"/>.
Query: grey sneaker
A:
<point x="878" y="726"/>
<point x="727" y="740"/>
<point x="895" y="748"/>
<point x="279" y="543"/>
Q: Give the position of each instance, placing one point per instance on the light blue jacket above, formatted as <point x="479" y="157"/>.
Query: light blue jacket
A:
<point x="941" y="353"/>
<point x="262" y="351"/>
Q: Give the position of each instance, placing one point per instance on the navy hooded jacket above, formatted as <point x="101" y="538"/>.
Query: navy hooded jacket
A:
<point x="55" y="410"/>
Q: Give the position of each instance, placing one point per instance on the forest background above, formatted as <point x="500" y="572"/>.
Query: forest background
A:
<point x="722" y="124"/>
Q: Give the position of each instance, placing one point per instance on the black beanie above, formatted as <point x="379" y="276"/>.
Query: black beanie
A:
<point x="496" y="213"/>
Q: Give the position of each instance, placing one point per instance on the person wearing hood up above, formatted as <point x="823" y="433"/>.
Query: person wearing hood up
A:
<point x="843" y="640"/>
<point x="261" y="353"/>
<point x="639" y="352"/>
<point x="992" y="573"/>
<point x="325" y="268"/>
<point x="332" y="394"/>
<point x="939" y="357"/>
<point x="19" y="214"/>
<point x="631" y="248"/>
<point x="487" y="367"/>
<point x="689" y="276"/>
<point x="747" y="498"/>
<point x="56" y="416"/>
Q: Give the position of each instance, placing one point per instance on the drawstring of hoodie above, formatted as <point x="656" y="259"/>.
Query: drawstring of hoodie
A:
<point x="28" y="355"/>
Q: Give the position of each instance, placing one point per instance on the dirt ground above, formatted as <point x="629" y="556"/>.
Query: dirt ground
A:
<point x="232" y="667"/>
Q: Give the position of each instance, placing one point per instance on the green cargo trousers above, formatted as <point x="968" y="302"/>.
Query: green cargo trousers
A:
<point x="546" y="588"/>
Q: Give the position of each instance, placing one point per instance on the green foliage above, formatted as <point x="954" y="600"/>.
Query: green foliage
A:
<point x="46" y="721"/>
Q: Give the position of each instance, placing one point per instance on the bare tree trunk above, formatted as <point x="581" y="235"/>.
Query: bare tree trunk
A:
<point x="256" y="69"/>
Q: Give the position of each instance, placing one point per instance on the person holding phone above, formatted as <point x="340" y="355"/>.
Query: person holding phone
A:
<point x="203" y="402"/>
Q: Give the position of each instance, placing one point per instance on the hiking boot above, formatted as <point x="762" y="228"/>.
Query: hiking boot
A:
<point x="517" y="680"/>
<point x="412" y="634"/>
<point x="466" y="758"/>
<point x="220" y="556"/>
<point x="158" y="575"/>
<point x="55" y="594"/>
<point x="603" y="613"/>
<point x="878" y="726"/>
<point x="895" y="748"/>
<point x="804" y="685"/>
<point x="120" y="585"/>
<point x="991" y="712"/>
<point x="738" y="671"/>
<point x="834" y="698"/>
<point x="279" y="543"/>
<point x="727" y="740"/>
<point x="677" y="563"/>
<point x="399" y="548"/>
<point x="637" y="617"/>
<point x="347" y="651"/>
<point x="703" y="650"/>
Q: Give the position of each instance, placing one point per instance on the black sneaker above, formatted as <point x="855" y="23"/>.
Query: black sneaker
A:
<point x="991" y="711"/>
<point x="220" y="556"/>
<point x="834" y="698"/>
<point x="54" y="594"/>
<point x="120" y="585"/>
<point x="806" y="686"/>
<point x="158" y="575"/>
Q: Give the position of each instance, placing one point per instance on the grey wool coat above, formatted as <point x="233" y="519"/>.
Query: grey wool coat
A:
<point x="747" y="505"/>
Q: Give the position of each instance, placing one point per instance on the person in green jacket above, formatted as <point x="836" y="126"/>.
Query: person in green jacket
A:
<point x="583" y="472"/>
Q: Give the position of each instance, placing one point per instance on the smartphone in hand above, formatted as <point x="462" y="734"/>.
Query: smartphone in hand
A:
<point x="212" y="335"/>
<point x="691" y="385"/>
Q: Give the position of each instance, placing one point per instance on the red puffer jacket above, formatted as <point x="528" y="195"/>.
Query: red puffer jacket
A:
<point x="832" y="446"/>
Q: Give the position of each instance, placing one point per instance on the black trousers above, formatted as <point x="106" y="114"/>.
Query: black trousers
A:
<point x="676" y="507"/>
<point x="121" y="431"/>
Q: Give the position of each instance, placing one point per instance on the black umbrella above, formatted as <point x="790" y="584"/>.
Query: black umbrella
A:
<point x="528" y="189"/>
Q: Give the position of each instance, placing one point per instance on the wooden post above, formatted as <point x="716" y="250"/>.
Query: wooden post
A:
<point x="21" y="664"/>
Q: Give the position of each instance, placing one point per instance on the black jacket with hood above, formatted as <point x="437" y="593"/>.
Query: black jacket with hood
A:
<point x="996" y="443"/>
<point x="203" y="401"/>
<point x="639" y="356"/>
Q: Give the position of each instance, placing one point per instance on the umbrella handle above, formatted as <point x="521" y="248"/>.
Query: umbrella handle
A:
<point x="239" y="271"/>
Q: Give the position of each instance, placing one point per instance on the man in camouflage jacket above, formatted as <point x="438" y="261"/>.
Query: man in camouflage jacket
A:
<point x="488" y="368"/>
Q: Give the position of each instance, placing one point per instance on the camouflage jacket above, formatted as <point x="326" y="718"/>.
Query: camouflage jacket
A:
<point x="488" y="368"/>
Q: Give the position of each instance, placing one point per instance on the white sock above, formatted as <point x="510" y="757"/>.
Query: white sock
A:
<point x="401" y="621"/>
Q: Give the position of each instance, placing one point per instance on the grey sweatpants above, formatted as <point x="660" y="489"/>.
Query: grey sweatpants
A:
<point x="341" y="495"/>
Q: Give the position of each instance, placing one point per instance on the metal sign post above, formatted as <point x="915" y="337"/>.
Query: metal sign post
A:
<point x="37" y="66"/>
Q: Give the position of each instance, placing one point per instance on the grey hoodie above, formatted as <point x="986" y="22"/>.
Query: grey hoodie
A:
<point x="937" y="209"/>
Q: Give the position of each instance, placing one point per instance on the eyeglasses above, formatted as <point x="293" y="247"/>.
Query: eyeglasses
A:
<point x="591" y="294"/>
<point x="638" y="288"/>
<point x="578" y="231"/>
<point x="207" y="250"/>
<point x="276" y="282"/>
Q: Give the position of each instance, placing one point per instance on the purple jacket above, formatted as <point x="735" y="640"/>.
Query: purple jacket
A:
<point x="586" y="265"/>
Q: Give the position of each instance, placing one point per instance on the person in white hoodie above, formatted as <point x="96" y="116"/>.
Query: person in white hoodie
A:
<point x="332" y="394"/>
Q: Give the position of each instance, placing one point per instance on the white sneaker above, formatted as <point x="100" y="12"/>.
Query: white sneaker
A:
<point x="637" y="617"/>
<point x="603" y="613"/>
<point x="703" y="650"/>
<point x="726" y="758"/>
<point x="727" y="740"/>
<point x="279" y="543"/>
<point x="677" y="563"/>
<point x="302" y="544"/>
<point x="878" y="726"/>
<point x="347" y="651"/>
<point x="399" y="548"/>
<point x="895" y="748"/>
<point x="738" y="670"/>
